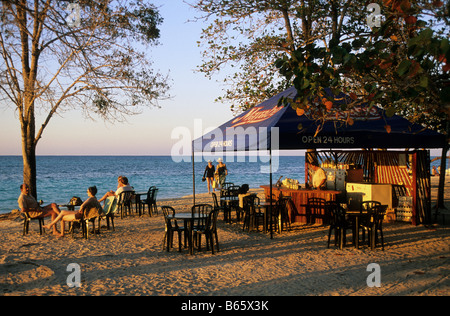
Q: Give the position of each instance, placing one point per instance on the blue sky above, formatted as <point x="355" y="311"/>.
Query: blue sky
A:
<point x="150" y="132"/>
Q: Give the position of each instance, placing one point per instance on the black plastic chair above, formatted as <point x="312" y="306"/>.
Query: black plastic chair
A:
<point x="26" y="223"/>
<point x="367" y="205"/>
<point x="223" y="208"/>
<point x="338" y="223"/>
<point x="171" y="226"/>
<point x="252" y="214"/>
<point x="200" y="213"/>
<point x="280" y="213"/>
<point x="316" y="209"/>
<point x="124" y="203"/>
<point x="373" y="224"/>
<point x="224" y="189"/>
<point x="233" y="191"/>
<point x="210" y="232"/>
<point x="150" y="201"/>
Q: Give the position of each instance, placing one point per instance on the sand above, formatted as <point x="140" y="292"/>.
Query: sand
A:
<point x="131" y="261"/>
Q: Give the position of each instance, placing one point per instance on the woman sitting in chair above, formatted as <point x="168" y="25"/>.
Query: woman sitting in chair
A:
<point x="70" y="216"/>
<point x="122" y="186"/>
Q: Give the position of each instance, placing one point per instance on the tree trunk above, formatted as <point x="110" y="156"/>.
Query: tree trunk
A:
<point x="29" y="153"/>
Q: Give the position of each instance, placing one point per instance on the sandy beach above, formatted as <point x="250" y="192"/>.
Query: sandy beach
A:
<point x="131" y="261"/>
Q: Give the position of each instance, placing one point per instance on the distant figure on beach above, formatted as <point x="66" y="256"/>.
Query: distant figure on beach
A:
<point x="209" y="175"/>
<point x="434" y="171"/>
<point x="28" y="204"/>
<point x="91" y="205"/>
<point x="221" y="172"/>
<point x="319" y="178"/>
<point x="122" y="186"/>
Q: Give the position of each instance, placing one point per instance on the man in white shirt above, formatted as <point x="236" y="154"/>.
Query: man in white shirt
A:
<point x="122" y="186"/>
<point x="319" y="178"/>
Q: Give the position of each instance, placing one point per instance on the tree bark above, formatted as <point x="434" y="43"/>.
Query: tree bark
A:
<point x="29" y="153"/>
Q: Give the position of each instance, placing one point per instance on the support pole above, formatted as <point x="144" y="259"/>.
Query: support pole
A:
<point x="193" y="174"/>
<point x="270" y="192"/>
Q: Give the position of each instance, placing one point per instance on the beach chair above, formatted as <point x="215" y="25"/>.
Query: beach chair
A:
<point x="199" y="214"/>
<point x="171" y="227"/>
<point x="223" y="208"/>
<point x="109" y="209"/>
<point x="373" y="224"/>
<point x="209" y="230"/>
<point x="338" y="223"/>
<point x="26" y="222"/>
<point x="150" y="201"/>
<point x="124" y="203"/>
<point x="89" y="215"/>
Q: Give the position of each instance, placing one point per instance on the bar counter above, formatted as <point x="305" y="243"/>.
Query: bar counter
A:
<point x="297" y="210"/>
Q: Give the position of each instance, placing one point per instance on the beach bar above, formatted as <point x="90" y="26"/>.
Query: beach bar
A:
<point x="347" y="154"/>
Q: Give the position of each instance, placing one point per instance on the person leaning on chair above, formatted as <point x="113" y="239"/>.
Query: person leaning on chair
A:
<point x="319" y="178"/>
<point x="68" y="216"/>
<point x="28" y="204"/>
<point x="122" y="186"/>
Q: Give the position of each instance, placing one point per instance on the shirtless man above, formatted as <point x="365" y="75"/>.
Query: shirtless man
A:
<point x="28" y="204"/>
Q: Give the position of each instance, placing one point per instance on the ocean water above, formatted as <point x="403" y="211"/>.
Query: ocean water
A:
<point x="61" y="177"/>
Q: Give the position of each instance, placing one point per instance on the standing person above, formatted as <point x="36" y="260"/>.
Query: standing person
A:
<point x="221" y="172"/>
<point x="209" y="175"/>
<point x="319" y="178"/>
<point x="28" y="204"/>
<point x="91" y="205"/>
<point x="122" y="186"/>
<point x="434" y="171"/>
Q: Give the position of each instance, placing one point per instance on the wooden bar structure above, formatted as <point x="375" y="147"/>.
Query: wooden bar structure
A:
<point x="407" y="171"/>
<point x="298" y="211"/>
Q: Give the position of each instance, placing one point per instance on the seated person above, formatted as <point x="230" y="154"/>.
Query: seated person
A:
<point x="91" y="205"/>
<point x="122" y="186"/>
<point x="28" y="204"/>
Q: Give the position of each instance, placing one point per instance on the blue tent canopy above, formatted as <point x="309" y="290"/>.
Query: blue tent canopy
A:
<point x="269" y="126"/>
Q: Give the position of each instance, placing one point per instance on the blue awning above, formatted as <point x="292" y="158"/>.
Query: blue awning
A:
<point x="269" y="126"/>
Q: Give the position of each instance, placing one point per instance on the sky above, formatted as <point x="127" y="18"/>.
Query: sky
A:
<point x="191" y="109"/>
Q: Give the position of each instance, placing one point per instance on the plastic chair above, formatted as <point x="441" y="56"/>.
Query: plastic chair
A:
<point x="225" y="187"/>
<point x="367" y="205"/>
<point x="219" y="207"/>
<point x="171" y="226"/>
<point x="200" y="214"/>
<point x="124" y="203"/>
<point x="280" y="213"/>
<point x="150" y="201"/>
<point x="210" y="232"/>
<point x="338" y="223"/>
<point x="110" y="208"/>
<point x="89" y="215"/>
<point x="26" y="222"/>
<point x="233" y="191"/>
<point x="252" y="214"/>
<point x="373" y="224"/>
<point x="316" y="209"/>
